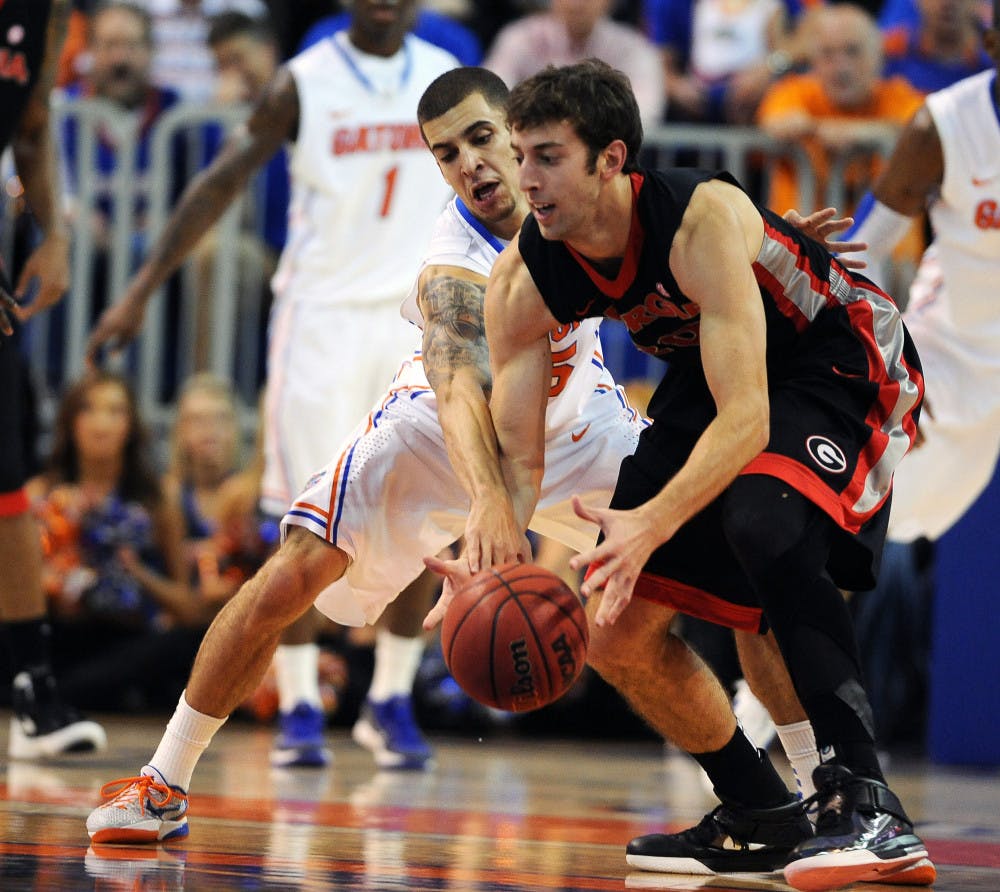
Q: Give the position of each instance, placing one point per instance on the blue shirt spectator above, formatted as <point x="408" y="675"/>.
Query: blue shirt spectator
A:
<point x="430" y="26"/>
<point x="908" y="55"/>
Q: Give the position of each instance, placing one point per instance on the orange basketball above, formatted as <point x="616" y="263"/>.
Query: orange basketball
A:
<point x="515" y="637"/>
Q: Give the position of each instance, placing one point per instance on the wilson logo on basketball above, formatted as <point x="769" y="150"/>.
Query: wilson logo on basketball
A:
<point x="827" y="454"/>
<point x="524" y="685"/>
<point x="564" y="659"/>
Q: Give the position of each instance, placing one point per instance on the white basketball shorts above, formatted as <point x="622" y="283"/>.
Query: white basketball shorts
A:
<point x="389" y="497"/>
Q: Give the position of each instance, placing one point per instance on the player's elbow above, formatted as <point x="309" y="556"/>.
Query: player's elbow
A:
<point x="756" y="425"/>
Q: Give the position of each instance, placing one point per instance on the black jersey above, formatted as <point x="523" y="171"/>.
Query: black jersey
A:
<point x="795" y="274"/>
<point x="23" y="25"/>
<point x="836" y="344"/>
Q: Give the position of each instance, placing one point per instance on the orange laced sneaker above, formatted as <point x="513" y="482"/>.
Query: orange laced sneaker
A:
<point x="139" y="809"/>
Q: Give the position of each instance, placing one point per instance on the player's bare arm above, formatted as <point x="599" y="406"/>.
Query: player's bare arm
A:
<point x="518" y="324"/>
<point x="915" y="168"/>
<point x="456" y="361"/>
<point x="34" y="158"/>
<point x="711" y="258"/>
<point x="273" y="121"/>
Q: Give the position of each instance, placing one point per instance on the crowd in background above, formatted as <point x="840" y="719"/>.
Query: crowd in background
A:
<point x="144" y="544"/>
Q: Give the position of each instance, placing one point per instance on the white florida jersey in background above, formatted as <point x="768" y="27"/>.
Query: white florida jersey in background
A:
<point x="954" y="317"/>
<point x="459" y="239"/>
<point x="966" y="215"/>
<point x="357" y="145"/>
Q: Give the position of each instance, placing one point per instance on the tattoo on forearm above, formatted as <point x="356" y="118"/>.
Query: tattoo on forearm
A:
<point x="454" y="330"/>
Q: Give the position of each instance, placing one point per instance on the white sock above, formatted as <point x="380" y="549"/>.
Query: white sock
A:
<point x="799" y="744"/>
<point x="297" y="669"/>
<point x="396" y="662"/>
<point x="188" y="733"/>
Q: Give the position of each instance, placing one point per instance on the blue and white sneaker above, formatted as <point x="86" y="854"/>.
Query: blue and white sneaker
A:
<point x="300" y="743"/>
<point x="389" y="731"/>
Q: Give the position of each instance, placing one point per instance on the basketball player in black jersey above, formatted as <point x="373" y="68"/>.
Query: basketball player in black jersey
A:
<point x="792" y="391"/>
<point x="31" y="33"/>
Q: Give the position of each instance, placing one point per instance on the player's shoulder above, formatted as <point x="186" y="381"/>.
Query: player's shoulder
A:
<point x="451" y="228"/>
<point x="974" y="85"/>
<point x="316" y="62"/>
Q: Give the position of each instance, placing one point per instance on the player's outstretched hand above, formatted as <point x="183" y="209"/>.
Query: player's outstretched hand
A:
<point x="493" y="537"/>
<point x="617" y="561"/>
<point x="822" y="226"/>
<point x="456" y="573"/>
<point x="118" y="325"/>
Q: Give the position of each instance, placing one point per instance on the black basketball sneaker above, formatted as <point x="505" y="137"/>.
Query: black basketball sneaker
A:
<point x="730" y="839"/>
<point x="862" y="835"/>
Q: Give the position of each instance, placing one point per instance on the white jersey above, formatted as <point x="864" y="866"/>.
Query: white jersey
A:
<point x="361" y="174"/>
<point x="954" y="318"/>
<point x="459" y="239"/>
<point x="966" y="214"/>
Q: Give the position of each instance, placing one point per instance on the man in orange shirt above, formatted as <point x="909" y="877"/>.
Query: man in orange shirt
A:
<point x="843" y="102"/>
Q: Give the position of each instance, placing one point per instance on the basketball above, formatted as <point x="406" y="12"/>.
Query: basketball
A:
<point x="515" y="637"/>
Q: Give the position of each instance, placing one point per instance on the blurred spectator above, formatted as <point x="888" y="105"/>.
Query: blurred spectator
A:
<point x="181" y="57"/>
<point x="432" y="26"/>
<point x="120" y="51"/>
<point x="115" y="571"/>
<point x="837" y="107"/>
<point x="215" y="492"/>
<point x="719" y="56"/>
<point x="942" y="47"/>
<point x="122" y="558"/>
<point x="574" y="30"/>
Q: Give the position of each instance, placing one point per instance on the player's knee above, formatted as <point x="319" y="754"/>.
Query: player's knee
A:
<point x="616" y="650"/>
<point x="292" y="578"/>
<point x="774" y="530"/>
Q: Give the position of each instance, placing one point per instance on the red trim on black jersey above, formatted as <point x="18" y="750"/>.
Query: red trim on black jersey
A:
<point x="698" y="603"/>
<point x="617" y="287"/>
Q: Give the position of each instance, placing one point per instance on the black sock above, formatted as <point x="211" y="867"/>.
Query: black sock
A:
<point x="28" y="644"/>
<point x="742" y="773"/>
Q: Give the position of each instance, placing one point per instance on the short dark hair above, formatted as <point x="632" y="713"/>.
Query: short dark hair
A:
<point x="449" y="89"/>
<point x="227" y="25"/>
<point x="595" y="99"/>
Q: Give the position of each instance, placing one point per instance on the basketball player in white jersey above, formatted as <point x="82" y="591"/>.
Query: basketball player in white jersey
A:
<point x="947" y="160"/>
<point x="364" y="197"/>
<point x="359" y="531"/>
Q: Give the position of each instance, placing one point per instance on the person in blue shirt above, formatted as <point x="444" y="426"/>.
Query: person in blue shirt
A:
<point x="942" y="46"/>
<point x="431" y="26"/>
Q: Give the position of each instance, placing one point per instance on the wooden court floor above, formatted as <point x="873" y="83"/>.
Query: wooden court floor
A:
<point x="496" y="814"/>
